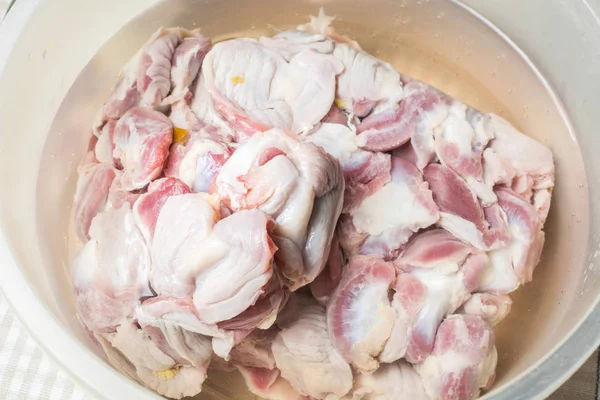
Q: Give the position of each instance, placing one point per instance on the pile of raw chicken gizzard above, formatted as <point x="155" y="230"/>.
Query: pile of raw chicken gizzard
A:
<point x="294" y="208"/>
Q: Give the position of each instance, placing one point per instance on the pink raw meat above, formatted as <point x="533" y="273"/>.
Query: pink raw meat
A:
<point x="360" y="317"/>
<point x="513" y="265"/>
<point x="463" y="360"/>
<point x="145" y="80"/>
<point x="460" y="141"/>
<point x="110" y="273"/>
<point x="462" y="214"/>
<point x="198" y="159"/>
<point x="268" y="384"/>
<point x="186" y="62"/>
<point x="148" y="205"/>
<point x="305" y="346"/>
<point x="91" y="197"/>
<point x="295" y="183"/>
<point x="410" y="296"/>
<point x="142" y="140"/>
<point x="392" y="214"/>
<point x="364" y="172"/>
<point x="414" y="117"/>
<point x="449" y="270"/>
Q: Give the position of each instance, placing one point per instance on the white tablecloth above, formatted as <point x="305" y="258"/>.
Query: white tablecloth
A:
<point x="26" y="373"/>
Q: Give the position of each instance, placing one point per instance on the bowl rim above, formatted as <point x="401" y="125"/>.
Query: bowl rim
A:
<point x="536" y="382"/>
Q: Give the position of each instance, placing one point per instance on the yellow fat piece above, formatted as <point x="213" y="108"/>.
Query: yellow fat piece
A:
<point x="237" y="80"/>
<point x="338" y="102"/>
<point x="179" y="134"/>
<point x="167" y="374"/>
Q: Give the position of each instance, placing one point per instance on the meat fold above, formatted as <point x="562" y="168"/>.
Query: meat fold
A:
<point x="225" y="267"/>
<point x="304" y="346"/>
<point x="255" y="350"/>
<point x="162" y="311"/>
<point x="463" y="360"/>
<point x="297" y="185"/>
<point x="183" y="224"/>
<point x="360" y="317"/>
<point x="256" y="87"/>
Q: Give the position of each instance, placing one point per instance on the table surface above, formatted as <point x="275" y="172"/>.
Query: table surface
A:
<point x="26" y="373"/>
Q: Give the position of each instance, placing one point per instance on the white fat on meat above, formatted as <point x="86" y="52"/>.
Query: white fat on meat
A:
<point x="463" y="360"/>
<point x="305" y="354"/>
<point x="392" y="214"/>
<point x="110" y="273"/>
<point x="255" y="88"/>
<point x="236" y="267"/>
<point x="296" y="184"/>
<point x="360" y="317"/>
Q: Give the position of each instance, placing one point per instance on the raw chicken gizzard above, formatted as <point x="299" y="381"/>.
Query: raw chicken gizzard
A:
<point x="293" y="208"/>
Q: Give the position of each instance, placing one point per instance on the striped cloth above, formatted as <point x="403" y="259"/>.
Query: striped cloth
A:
<point x="26" y="373"/>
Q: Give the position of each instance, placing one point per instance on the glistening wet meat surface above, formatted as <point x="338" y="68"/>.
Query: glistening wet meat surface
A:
<point x="293" y="208"/>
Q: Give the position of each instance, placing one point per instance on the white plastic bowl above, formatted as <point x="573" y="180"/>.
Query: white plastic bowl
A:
<point x="58" y="59"/>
